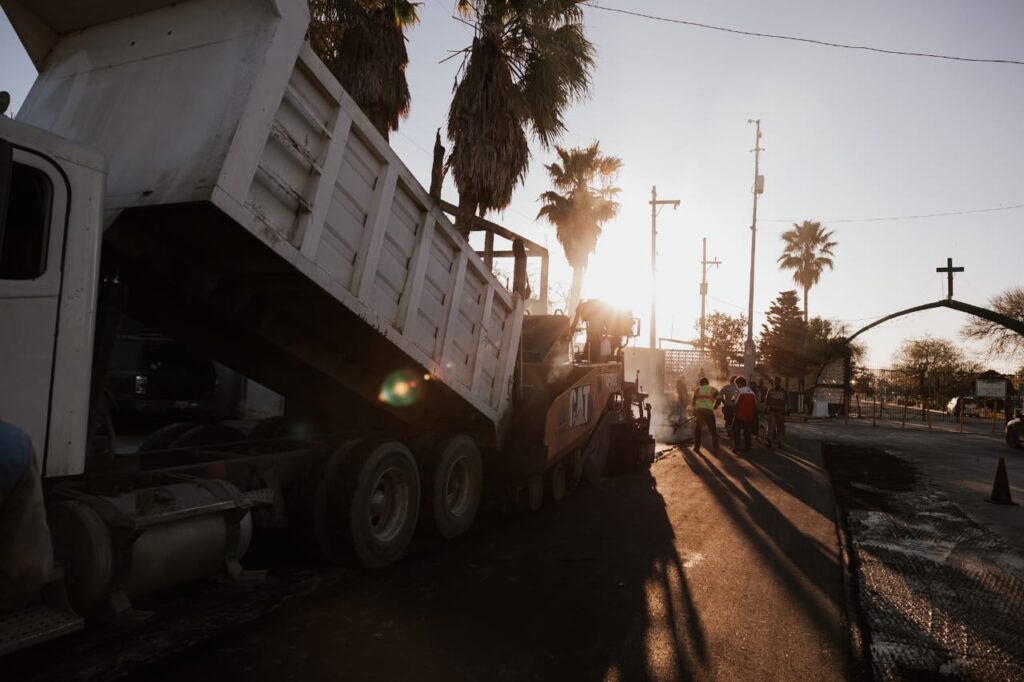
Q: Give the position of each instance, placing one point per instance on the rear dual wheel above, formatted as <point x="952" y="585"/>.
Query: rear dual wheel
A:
<point x="368" y="502"/>
<point x="452" y="474"/>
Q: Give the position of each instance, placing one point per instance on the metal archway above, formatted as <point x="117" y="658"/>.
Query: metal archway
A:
<point x="990" y="315"/>
<point x="984" y="313"/>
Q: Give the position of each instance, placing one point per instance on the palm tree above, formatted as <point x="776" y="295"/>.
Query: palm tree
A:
<point x="528" y="61"/>
<point x="362" y="42"/>
<point x="807" y="253"/>
<point x="587" y="200"/>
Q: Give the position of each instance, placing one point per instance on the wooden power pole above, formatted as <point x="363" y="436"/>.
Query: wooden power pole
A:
<point x="704" y="263"/>
<point x="655" y="203"/>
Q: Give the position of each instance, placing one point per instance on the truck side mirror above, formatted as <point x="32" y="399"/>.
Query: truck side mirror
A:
<point x="6" y="168"/>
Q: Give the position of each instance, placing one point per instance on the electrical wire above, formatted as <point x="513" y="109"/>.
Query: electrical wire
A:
<point x="904" y="217"/>
<point x="812" y="41"/>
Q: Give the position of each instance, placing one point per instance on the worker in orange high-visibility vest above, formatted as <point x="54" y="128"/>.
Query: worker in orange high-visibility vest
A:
<point x="704" y="398"/>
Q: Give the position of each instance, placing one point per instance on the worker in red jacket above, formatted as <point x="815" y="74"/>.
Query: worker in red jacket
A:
<point x="744" y="416"/>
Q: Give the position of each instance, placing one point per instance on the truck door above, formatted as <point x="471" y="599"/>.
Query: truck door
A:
<point x="31" y="264"/>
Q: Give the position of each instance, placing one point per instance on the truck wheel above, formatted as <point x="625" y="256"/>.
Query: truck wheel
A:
<point x="328" y="510"/>
<point x="531" y="495"/>
<point x="575" y="469"/>
<point x="382" y="500"/>
<point x="162" y="438"/>
<point x="557" y="482"/>
<point x="452" y="485"/>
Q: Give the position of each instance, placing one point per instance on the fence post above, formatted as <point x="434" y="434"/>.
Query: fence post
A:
<point x="929" y="410"/>
<point x="846" y="408"/>
<point x="859" y="415"/>
<point x="875" y="402"/>
<point x="963" y="414"/>
<point x="904" y="413"/>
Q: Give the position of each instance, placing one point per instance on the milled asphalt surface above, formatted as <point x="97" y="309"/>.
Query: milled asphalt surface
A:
<point x="940" y="588"/>
<point x="713" y="567"/>
<point x="960" y="465"/>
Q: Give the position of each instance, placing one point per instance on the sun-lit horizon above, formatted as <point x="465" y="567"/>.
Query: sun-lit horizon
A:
<point x="862" y="142"/>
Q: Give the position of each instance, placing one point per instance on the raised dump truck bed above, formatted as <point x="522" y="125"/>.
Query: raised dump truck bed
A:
<point x="253" y="209"/>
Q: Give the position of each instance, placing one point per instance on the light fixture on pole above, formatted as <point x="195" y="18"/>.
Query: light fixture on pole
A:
<point x="748" y="347"/>
<point x="655" y="203"/>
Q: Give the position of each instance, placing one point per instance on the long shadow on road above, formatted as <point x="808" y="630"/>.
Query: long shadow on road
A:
<point x="808" y="571"/>
<point x="590" y="589"/>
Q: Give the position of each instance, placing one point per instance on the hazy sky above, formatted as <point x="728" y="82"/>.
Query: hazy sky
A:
<point x="848" y="134"/>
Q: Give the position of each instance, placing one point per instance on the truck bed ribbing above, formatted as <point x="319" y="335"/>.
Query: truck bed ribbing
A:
<point x="221" y="142"/>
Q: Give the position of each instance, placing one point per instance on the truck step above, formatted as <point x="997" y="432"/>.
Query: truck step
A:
<point x="34" y="625"/>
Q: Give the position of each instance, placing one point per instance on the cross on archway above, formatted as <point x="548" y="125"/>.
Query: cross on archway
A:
<point x="949" y="270"/>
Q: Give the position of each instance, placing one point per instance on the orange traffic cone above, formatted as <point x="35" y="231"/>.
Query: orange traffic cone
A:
<point x="1001" y="487"/>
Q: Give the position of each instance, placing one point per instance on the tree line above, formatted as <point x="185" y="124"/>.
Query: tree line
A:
<point x="527" y="62"/>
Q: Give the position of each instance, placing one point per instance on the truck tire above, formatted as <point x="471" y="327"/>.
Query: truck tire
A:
<point x="574" y="466"/>
<point x="328" y="513"/>
<point x="381" y="501"/>
<point x="557" y="482"/>
<point x="531" y="495"/>
<point x="162" y="438"/>
<point x="452" y="484"/>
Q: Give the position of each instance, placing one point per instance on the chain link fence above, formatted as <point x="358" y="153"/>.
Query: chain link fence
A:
<point x="923" y="396"/>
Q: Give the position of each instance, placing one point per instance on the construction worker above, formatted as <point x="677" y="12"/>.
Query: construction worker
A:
<point x="745" y="417"/>
<point x="26" y="556"/>
<point x="682" y="394"/>
<point x="776" y="406"/>
<point x="704" y="398"/>
<point x="727" y="396"/>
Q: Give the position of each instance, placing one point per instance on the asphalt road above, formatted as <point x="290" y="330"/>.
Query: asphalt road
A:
<point x="961" y="465"/>
<point x="713" y="567"/>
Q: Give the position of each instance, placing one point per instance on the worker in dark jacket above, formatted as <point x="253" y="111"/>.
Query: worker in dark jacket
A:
<point x="26" y="556"/>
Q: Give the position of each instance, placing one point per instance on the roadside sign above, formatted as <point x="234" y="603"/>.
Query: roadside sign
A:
<point x="990" y="388"/>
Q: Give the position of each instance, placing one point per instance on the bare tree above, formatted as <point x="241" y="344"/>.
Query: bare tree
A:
<point x="1002" y="341"/>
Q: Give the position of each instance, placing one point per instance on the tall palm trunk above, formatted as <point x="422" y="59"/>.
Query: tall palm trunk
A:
<point x="807" y="291"/>
<point x="576" y="290"/>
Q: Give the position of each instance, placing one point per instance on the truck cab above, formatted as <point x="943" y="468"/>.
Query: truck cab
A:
<point x="51" y="191"/>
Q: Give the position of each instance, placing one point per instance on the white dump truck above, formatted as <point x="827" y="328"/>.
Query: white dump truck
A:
<point x="194" y="165"/>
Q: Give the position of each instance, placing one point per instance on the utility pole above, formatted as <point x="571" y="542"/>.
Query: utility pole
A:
<point x="655" y="203"/>
<point x="748" y="349"/>
<point x="704" y="263"/>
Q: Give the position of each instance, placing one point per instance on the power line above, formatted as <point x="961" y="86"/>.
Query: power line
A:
<point x="823" y="43"/>
<point x="907" y="217"/>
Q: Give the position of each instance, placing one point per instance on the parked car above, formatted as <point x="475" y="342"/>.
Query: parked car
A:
<point x="955" y="405"/>
<point x="1015" y="431"/>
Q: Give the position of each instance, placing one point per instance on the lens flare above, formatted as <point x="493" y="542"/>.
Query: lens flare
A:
<point x="401" y="388"/>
